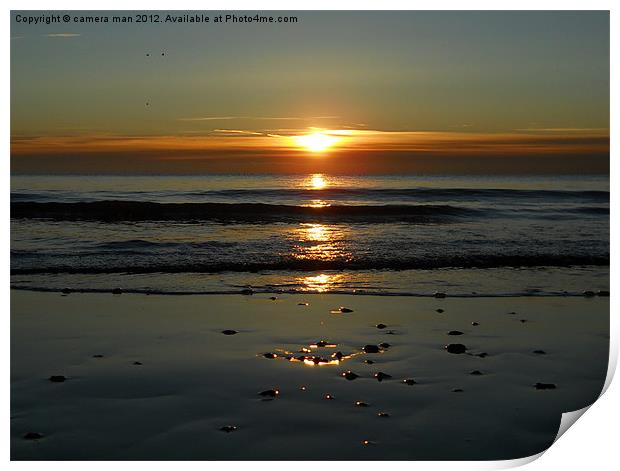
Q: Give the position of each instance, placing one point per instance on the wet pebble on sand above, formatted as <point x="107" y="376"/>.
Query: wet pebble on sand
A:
<point x="456" y="348"/>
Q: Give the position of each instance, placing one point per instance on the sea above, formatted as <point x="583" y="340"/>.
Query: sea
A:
<point x="312" y="233"/>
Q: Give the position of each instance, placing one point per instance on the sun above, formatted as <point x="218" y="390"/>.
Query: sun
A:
<point x="316" y="142"/>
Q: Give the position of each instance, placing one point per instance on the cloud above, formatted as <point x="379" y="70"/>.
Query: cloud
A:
<point x="257" y="118"/>
<point x="62" y="35"/>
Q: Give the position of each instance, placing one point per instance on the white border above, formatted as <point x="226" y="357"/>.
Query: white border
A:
<point x="592" y="443"/>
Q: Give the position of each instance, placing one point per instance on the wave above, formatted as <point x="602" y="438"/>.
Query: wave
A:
<point x="117" y="211"/>
<point x="415" y="194"/>
<point x="291" y="264"/>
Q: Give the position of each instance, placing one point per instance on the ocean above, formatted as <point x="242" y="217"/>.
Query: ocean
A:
<point x="385" y="235"/>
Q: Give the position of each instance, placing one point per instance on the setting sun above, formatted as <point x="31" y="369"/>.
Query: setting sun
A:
<point x="316" y="142"/>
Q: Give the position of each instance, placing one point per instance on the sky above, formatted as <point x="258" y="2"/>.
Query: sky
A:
<point x="377" y="92"/>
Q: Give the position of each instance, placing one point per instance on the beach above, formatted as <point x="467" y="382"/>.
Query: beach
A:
<point x="153" y="377"/>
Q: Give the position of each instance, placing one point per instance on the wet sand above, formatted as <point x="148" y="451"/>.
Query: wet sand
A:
<point x="153" y="377"/>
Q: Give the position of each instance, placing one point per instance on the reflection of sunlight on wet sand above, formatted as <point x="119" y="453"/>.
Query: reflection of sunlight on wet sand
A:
<point x="320" y="283"/>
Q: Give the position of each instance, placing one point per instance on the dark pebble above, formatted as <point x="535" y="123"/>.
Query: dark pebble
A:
<point x="273" y="298"/>
<point x="138" y="363"/>
<point x="321" y="343"/>
<point x="229" y="332"/>
<point x="475" y="324"/>
<point x="457" y="390"/>
<point x="66" y="291"/>
<point x="300" y="358"/>
<point x="371" y="349"/>
<point x="539" y="352"/>
<point x="545" y="386"/>
<point x="33" y="436"/>
<point x="409" y="381"/>
<point x="338" y="355"/>
<point x="228" y="428"/>
<point x="384" y="345"/>
<point x="270" y="355"/>
<point x="57" y="379"/>
<point x="361" y="404"/>
<point x="455" y="332"/>
<point x="476" y="373"/>
<point x="588" y="294"/>
<point x="383" y="414"/>
<point x="456" y="348"/>
<point x="440" y="295"/>
<point x="482" y="355"/>
<point x="512" y="313"/>
<point x="117" y="291"/>
<point x="381" y="326"/>
<point x="381" y="376"/>
<point x="247" y="291"/>
<point x="523" y="321"/>
<point x="439" y="310"/>
<point x="349" y="375"/>
<point x="269" y="393"/>
<point x="368" y="362"/>
<point x="345" y="309"/>
<point x="302" y="304"/>
<point x="604" y="294"/>
<point x="97" y="356"/>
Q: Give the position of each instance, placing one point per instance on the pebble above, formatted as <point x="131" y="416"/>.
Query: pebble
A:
<point x="439" y="310"/>
<point x="344" y="309"/>
<point x="383" y="414"/>
<point x="33" y="436"/>
<point x="381" y="376"/>
<point x="457" y="390"/>
<point x="603" y="293"/>
<point x="269" y="393"/>
<point x="409" y="381"/>
<point x="270" y="355"/>
<point x="456" y="348"/>
<point x="97" y="356"/>
<point x="361" y="404"/>
<point x="545" y="386"/>
<point x="66" y="291"/>
<point x="384" y="345"/>
<point x="482" y="355"/>
<point x="367" y="442"/>
<point x="302" y="304"/>
<point x="381" y="326"/>
<point x="539" y="352"/>
<point x="117" y="291"/>
<point x="475" y="324"/>
<point x="228" y="428"/>
<point x="368" y="362"/>
<point x="321" y="343"/>
<point x="229" y="332"/>
<point x="247" y="291"/>
<point x="371" y="349"/>
<point x="273" y="298"/>
<point x="440" y="295"/>
<point x="57" y="379"/>
<point x="328" y="397"/>
<point x="349" y="375"/>
<point x="455" y="332"/>
<point x="476" y="373"/>
<point x="523" y="321"/>
<point x="138" y="363"/>
<point x="338" y="355"/>
<point x="588" y="294"/>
